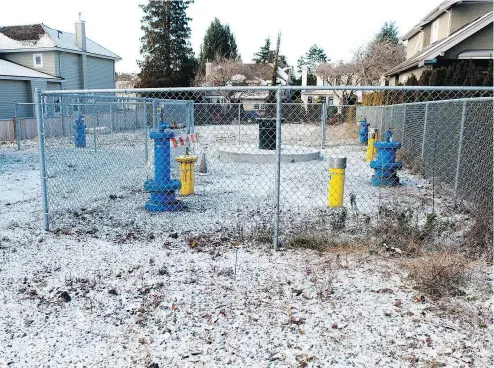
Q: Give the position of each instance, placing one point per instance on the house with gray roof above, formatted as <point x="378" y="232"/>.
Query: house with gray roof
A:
<point x="453" y="31"/>
<point x="37" y="56"/>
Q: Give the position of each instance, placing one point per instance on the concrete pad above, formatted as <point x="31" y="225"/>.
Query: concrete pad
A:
<point x="252" y="154"/>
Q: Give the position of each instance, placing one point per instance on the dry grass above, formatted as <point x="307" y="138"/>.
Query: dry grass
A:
<point x="319" y="240"/>
<point x="322" y="278"/>
<point x="439" y="274"/>
<point x="410" y="161"/>
<point x="478" y="240"/>
<point x="261" y="233"/>
<point x="400" y="228"/>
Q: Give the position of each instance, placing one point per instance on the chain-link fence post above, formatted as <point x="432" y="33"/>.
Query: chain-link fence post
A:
<point x="460" y="145"/>
<point x="403" y="123"/>
<point x="391" y="122"/>
<point x="154" y="115"/>
<point x="239" y="123"/>
<point x="16" y="127"/>
<point x="111" y="117"/>
<point x="95" y="123"/>
<point x="381" y="129"/>
<point x="324" y="111"/>
<point x="424" y="133"/>
<point x="42" y="160"/>
<point x="277" y="185"/>
<point x="146" y="141"/>
<point x="191" y="117"/>
<point x="62" y="117"/>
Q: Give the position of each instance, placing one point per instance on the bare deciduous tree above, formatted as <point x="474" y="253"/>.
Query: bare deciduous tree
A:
<point x="231" y="72"/>
<point x="340" y="74"/>
<point x="377" y="58"/>
<point x="367" y="67"/>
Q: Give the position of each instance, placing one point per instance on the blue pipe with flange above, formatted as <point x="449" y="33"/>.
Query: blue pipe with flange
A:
<point x="162" y="188"/>
<point x="80" y="132"/>
<point x="385" y="165"/>
<point x="364" y="132"/>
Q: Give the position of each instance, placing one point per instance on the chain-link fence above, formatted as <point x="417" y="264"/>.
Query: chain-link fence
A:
<point x="272" y="162"/>
<point x="438" y="140"/>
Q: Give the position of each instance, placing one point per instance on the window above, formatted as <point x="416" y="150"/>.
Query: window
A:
<point x="435" y="31"/>
<point x="38" y="60"/>
<point x="420" y="42"/>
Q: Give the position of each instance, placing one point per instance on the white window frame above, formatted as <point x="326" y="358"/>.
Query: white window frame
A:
<point x="420" y="43"/>
<point x="38" y="66"/>
<point x="435" y="31"/>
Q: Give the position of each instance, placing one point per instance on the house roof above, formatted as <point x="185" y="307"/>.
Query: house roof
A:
<point x="40" y="37"/>
<point x="9" y="70"/>
<point x="253" y="71"/>
<point x="434" y="13"/>
<point x="438" y="48"/>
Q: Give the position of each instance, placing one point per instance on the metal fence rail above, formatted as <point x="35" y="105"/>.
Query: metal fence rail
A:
<point x="267" y="161"/>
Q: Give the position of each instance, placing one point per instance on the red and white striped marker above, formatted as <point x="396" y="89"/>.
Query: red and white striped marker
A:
<point x="180" y="140"/>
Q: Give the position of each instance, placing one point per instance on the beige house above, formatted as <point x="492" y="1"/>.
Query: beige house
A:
<point x="454" y="30"/>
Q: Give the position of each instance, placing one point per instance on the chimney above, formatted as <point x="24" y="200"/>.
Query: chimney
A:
<point x="80" y="33"/>
<point x="304" y="75"/>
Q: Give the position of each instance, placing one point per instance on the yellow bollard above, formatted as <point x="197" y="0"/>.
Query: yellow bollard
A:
<point x="337" y="166"/>
<point x="376" y="139"/>
<point x="187" y="173"/>
<point x="370" y="146"/>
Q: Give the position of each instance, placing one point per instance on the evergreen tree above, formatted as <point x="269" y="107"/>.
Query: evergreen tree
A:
<point x="219" y="43"/>
<point x="264" y="54"/>
<point x="388" y="33"/>
<point x="168" y="59"/>
<point x="425" y="77"/>
<point x="412" y="81"/>
<point x="312" y="59"/>
<point x="300" y="63"/>
<point x="474" y="76"/>
<point x="488" y="80"/>
<point x="434" y="77"/>
<point x="448" y="79"/>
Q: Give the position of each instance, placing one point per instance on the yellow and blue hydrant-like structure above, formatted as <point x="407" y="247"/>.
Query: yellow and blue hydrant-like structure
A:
<point x="337" y="166"/>
<point x="187" y="163"/>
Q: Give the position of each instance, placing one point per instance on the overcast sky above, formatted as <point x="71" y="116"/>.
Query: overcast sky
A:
<point x="339" y="26"/>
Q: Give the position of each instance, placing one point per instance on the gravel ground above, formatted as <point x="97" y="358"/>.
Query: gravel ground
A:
<point x="116" y="286"/>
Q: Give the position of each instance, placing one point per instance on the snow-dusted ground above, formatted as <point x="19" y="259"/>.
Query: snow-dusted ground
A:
<point x="184" y="289"/>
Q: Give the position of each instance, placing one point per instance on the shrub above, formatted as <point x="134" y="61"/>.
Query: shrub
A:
<point x="439" y="274"/>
